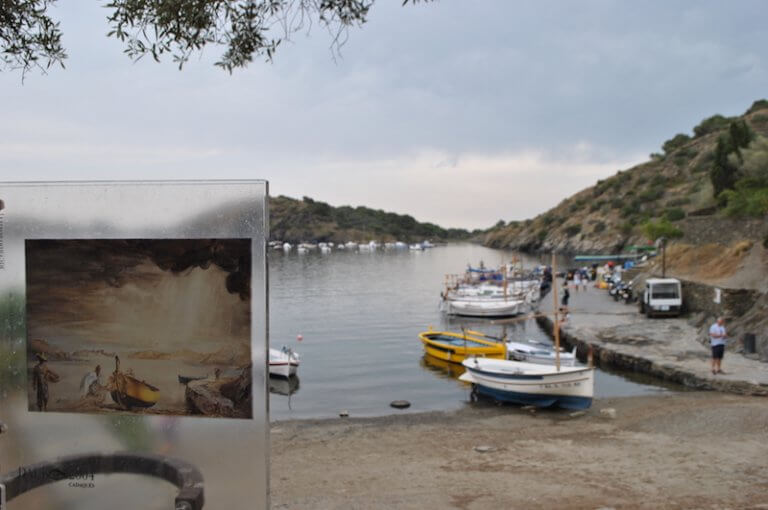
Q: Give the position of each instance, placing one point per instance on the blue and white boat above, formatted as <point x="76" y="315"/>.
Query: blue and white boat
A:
<point x="530" y="383"/>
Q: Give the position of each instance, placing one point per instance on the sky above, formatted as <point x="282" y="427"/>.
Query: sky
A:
<point x="457" y="112"/>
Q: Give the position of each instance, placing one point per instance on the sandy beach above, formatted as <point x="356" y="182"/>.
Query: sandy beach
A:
<point x="685" y="450"/>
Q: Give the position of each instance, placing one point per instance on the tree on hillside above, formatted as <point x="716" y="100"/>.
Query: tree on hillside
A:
<point x="30" y="38"/>
<point x="710" y="125"/>
<point x="675" y="143"/>
<point x="728" y="156"/>
<point x="723" y="173"/>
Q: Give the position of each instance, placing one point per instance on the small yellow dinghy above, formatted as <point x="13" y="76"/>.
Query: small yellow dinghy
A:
<point x="456" y="347"/>
<point x="129" y="392"/>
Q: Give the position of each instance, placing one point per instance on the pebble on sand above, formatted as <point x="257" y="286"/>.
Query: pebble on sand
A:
<point x="400" y="404"/>
<point x="608" y="412"/>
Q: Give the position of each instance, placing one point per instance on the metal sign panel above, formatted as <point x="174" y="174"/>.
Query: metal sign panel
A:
<point x="133" y="342"/>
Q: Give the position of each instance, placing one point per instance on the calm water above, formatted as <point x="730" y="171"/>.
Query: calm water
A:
<point x="360" y="315"/>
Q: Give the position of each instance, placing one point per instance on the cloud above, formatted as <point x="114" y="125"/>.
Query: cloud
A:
<point x="453" y="88"/>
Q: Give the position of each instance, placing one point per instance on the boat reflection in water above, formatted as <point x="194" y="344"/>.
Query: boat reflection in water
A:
<point x="284" y="386"/>
<point x="443" y="367"/>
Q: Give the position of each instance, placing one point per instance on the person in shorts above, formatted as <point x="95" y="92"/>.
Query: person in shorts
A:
<point x="717" y="341"/>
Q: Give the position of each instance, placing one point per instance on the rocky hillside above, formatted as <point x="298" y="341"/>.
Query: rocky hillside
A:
<point x="671" y="195"/>
<point x="310" y="220"/>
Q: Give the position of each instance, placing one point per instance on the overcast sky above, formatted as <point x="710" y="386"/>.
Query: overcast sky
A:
<point x="459" y="112"/>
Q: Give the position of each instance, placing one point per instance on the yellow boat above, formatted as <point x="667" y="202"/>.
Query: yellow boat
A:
<point x="456" y="347"/>
<point x="130" y="392"/>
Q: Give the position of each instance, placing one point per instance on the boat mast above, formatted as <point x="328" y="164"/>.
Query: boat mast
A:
<point x="504" y="273"/>
<point x="556" y="329"/>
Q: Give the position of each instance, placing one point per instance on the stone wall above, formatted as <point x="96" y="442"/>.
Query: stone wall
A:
<point x="734" y="303"/>
<point x="715" y="229"/>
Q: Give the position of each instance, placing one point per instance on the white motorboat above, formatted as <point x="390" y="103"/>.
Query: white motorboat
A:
<point x="283" y="362"/>
<point x="531" y="384"/>
<point x="485" y="307"/>
<point x="539" y="352"/>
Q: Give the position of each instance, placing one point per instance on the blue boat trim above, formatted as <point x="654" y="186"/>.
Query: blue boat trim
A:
<point x="563" y="401"/>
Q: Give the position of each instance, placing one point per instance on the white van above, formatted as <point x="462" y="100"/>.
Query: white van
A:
<point x="662" y="296"/>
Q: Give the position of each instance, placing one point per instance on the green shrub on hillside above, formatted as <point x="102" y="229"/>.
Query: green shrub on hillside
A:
<point x="599" y="227"/>
<point x="629" y="210"/>
<point x="760" y="104"/>
<point x="576" y="206"/>
<point x="658" y="180"/>
<point x="675" y="214"/>
<point x="596" y="205"/>
<point x="746" y="201"/>
<point x="549" y="219"/>
<point x="641" y="179"/>
<point x="542" y="235"/>
<point x="617" y="203"/>
<point x="675" y="142"/>
<point x="626" y="228"/>
<point x="651" y="194"/>
<point x="711" y="125"/>
<point x="572" y="230"/>
<point x="662" y="228"/>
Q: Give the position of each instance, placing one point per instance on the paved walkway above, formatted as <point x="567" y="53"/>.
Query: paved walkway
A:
<point x="668" y="348"/>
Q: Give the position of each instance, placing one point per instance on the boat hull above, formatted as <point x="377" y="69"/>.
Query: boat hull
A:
<point x="484" y="308"/>
<point x="131" y="392"/>
<point x="283" y="369"/>
<point x="530" y="384"/>
<point x="538" y="400"/>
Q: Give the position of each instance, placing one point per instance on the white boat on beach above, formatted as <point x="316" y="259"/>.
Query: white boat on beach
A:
<point x="283" y="362"/>
<point x="531" y="384"/>
<point x="538" y="352"/>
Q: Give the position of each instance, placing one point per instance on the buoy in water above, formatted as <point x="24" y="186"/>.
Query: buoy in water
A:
<point x="400" y="404"/>
<point x="299" y="338"/>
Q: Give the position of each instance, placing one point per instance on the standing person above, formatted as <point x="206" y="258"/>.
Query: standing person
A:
<point x="566" y="297"/>
<point x="717" y="341"/>
<point x="41" y="376"/>
<point x="576" y="279"/>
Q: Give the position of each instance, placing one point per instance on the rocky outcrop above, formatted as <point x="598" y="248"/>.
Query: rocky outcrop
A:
<point x="227" y="397"/>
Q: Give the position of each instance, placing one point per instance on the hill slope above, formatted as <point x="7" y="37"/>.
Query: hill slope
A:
<point x="310" y="220"/>
<point x="672" y="195"/>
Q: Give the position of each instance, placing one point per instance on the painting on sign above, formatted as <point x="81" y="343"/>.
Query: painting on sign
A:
<point x="143" y="326"/>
